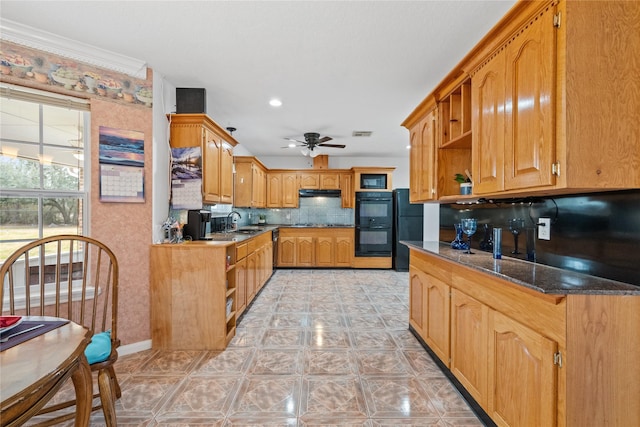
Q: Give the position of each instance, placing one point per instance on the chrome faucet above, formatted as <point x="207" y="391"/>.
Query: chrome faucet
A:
<point x="229" y="223"/>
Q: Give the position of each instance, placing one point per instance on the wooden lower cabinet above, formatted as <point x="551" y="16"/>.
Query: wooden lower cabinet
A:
<point x="528" y="358"/>
<point x="325" y="251"/>
<point x="241" y="286"/>
<point x="286" y="251"/>
<point x="417" y="284"/>
<point x="492" y="339"/>
<point x="436" y="331"/>
<point x="344" y="250"/>
<point x="316" y="247"/>
<point x="305" y="251"/>
<point x="191" y="284"/>
<point x="522" y="376"/>
<point x="469" y="337"/>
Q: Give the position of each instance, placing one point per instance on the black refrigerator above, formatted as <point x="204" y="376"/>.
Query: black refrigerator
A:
<point x="407" y="225"/>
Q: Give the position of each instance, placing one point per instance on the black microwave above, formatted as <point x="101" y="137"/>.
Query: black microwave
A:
<point x="373" y="181"/>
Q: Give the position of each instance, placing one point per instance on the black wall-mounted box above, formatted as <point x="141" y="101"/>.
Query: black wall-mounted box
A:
<point x="191" y="100"/>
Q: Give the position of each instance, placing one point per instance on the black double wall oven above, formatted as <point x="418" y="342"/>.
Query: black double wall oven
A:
<point x="374" y="224"/>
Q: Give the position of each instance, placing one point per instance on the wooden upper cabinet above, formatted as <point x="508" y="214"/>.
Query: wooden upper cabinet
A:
<point x="330" y="181"/>
<point x="250" y="183"/>
<point x="226" y="173"/>
<point x="282" y="189"/>
<point x="553" y="108"/>
<point x="211" y="166"/>
<point x="488" y="92"/>
<point x="530" y="105"/>
<point x="422" y="161"/>
<point x="346" y="189"/>
<point x="309" y="180"/>
<point x="274" y="190"/>
<point x="290" y="190"/>
<point x="198" y="130"/>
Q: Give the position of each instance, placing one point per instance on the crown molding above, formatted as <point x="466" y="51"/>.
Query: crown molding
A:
<point x="32" y="37"/>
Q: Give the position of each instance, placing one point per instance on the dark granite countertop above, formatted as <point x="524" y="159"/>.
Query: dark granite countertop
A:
<point x="310" y="225"/>
<point x="539" y="277"/>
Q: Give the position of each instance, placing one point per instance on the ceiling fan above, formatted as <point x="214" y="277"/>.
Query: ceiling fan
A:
<point x="312" y="142"/>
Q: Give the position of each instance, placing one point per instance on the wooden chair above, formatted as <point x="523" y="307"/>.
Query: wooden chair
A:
<point x="71" y="277"/>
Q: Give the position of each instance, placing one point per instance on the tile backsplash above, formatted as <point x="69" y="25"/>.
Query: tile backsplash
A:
<point x="311" y="210"/>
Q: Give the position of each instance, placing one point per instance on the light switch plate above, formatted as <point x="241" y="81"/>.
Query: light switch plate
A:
<point x="544" y="229"/>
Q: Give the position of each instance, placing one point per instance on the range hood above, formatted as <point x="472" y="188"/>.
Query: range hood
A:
<point x="320" y="193"/>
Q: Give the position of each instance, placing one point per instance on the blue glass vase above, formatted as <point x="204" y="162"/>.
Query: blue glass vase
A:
<point x="459" y="243"/>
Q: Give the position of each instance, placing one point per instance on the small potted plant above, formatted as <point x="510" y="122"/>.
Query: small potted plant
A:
<point x="465" y="183"/>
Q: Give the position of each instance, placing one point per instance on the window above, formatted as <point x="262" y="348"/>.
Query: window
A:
<point x="43" y="187"/>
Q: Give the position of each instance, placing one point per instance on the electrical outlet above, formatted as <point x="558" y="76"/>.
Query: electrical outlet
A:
<point x="544" y="229"/>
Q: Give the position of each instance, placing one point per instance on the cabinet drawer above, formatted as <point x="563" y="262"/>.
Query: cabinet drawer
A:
<point x="251" y="246"/>
<point x="241" y="251"/>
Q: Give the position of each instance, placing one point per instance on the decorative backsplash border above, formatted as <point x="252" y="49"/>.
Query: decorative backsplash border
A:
<point x="41" y="70"/>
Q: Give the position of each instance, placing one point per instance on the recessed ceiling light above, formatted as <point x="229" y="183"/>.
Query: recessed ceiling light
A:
<point x="292" y="145"/>
<point x="408" y="147"/>
<point x="275" y="102"/>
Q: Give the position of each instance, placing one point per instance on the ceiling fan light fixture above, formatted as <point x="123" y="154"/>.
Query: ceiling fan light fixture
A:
<point x="304" y="151"/>
<point x="314" y="153"/>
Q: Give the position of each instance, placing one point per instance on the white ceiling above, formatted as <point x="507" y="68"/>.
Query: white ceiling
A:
<point x="337" y="66"/>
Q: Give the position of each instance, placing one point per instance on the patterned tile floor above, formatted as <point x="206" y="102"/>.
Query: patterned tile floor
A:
<point x="316" y="348"/>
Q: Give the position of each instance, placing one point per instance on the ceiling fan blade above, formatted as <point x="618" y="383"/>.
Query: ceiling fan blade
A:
<point x="332" y="145"/>
<point x="294" y="140"/>
<point x="325" y="139"/>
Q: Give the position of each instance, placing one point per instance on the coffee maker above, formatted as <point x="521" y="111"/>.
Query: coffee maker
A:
<point x="196" y="226"/>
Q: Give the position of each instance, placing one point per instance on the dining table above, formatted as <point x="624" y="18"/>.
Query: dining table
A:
<point x="33" y="370"/>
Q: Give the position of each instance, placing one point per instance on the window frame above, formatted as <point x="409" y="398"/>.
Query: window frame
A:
<point x="42" y="98"/>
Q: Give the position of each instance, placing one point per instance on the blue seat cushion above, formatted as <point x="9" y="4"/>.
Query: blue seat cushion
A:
<point x="99" y="348"/>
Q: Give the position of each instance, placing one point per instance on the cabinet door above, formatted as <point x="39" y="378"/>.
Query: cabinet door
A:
<point x="344" y="251"/>
<point x="258" y="185"/>
<point x="522" y="376"/>
<point x="226" y="173"/>
<point x="252" y="276"/>
<point x="241" y="286"/>
<point x="488" y="92"/>
<point x="274" y="190"/>
<point x="242" y="182"/>
<point x="330" y="181"/>
<point x="469" y="334"/>
<point x="305" y="256"/>
<point x="289" y="190"/>
<point x="436" y="332"/>
<point x="417" y="294"/>
<point x="346" y="188"/>
<point x="310" y="181"/>
<point x="286" y="251"/>
<point x="325" y="248"/>
<point x="529" y="107"/>
<point x="212" y="146"/>
<point x="421" y="171"/>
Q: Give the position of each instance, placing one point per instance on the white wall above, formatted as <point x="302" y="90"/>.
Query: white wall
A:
<point x="164" y="96"/>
